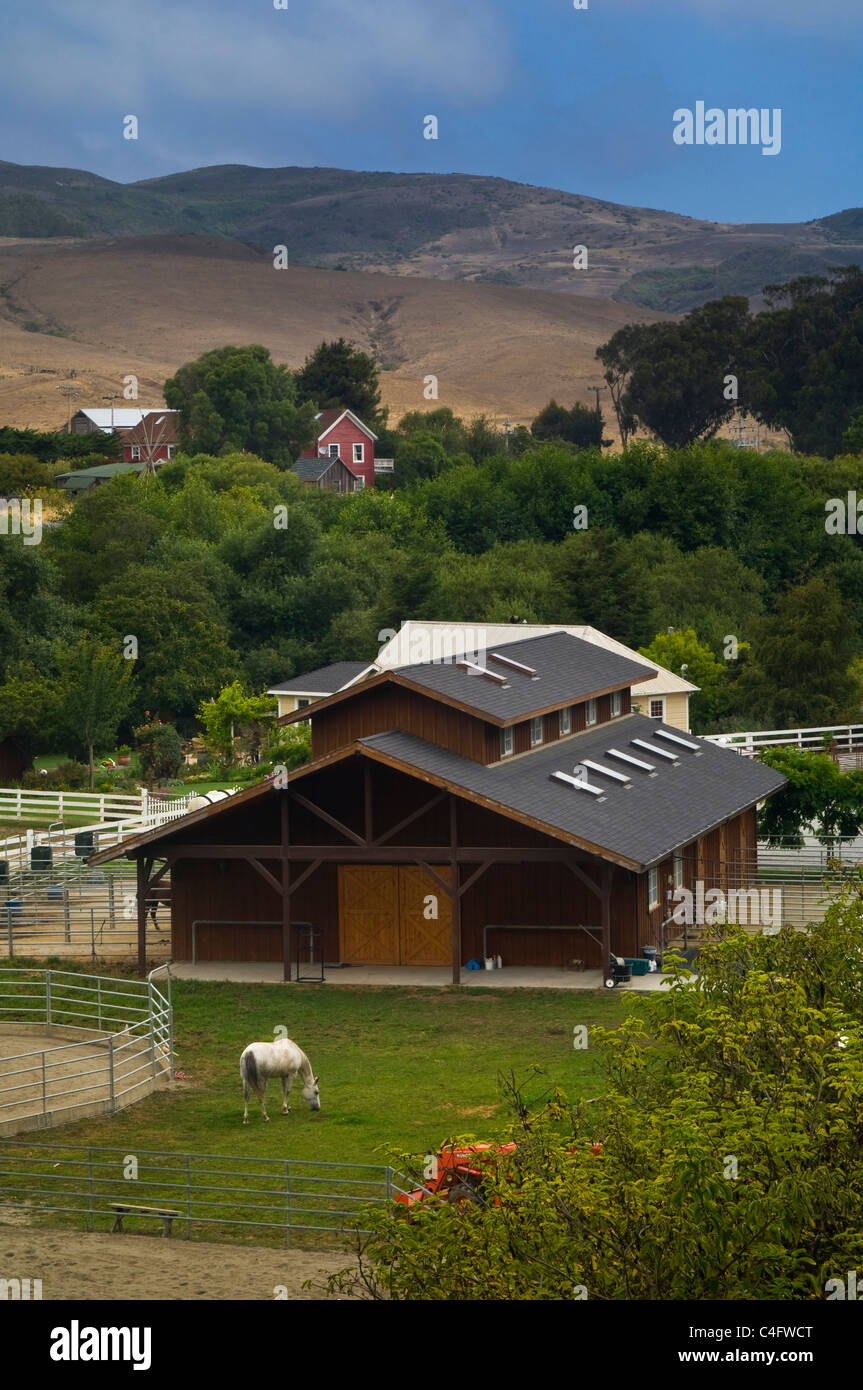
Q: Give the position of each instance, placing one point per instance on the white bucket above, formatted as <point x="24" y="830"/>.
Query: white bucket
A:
<point x="489" y="962"/>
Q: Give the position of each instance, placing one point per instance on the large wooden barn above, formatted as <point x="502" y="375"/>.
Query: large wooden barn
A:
<point x="518" y="806"/>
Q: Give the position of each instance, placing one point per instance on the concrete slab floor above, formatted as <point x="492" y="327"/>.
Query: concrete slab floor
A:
<point x="510" y="977"/>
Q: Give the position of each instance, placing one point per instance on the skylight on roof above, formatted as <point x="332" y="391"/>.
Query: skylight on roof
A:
<point x="606" y="771"/>
<point x="675" y="738"/>
<point x="474" y="670"/>
<point x="514" y="665"/>
<point x="580" y="783"/>
<point x="657" y="752"/>
<point x="628" y="758"/>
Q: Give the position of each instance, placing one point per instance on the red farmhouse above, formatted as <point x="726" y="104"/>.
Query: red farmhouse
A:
<point x="153" y="440"/>
<point x="341" y="434"/>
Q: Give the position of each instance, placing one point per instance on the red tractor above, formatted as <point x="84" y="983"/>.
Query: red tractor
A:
<point x="457" y="1172"/>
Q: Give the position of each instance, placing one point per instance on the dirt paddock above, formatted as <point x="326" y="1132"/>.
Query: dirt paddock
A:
<point x="89" y="1265"/>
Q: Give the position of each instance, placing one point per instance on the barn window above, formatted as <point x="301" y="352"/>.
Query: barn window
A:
<point x="591" y="711"/>
<point x="657" y="709"/>
<point x="359" y="453"/>
<point x="615" y="703"/>
<point x="334" y="451"/>
<point x="136" y="452"/>
<point x="678" y="870"/>
<point x="536" y="731"/>
<point x="506" y="742"/>
<point x="653" y="888"/>
<point x="172" y="449"/>
<point x="565" y="721"/>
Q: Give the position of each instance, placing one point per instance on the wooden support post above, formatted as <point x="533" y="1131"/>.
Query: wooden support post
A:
<point x="286" y="892"/>
<point x="455" y="896"/>
<point x="368" y="819"/>
<point x="141" y="867"/>
<point x="605" y="899"/>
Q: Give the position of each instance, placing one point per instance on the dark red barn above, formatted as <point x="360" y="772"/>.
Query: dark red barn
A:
<point x="454" y="809"/>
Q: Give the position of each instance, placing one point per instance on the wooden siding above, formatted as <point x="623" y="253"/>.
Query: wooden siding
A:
<point x="393" y="707"/>
<point x="524" y="895"/>
<point x="551" y="726"/>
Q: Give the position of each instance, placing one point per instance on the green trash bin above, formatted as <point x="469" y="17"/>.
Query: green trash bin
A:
<point x="85" y="844"/>
<point x="41" y="858"/>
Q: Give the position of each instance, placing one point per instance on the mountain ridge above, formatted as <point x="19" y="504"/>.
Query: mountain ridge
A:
<point x="471" y="227"/>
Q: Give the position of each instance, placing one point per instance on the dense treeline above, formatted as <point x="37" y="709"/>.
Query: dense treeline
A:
<point x="227" y="568"/>
<point x="740" y="570"/>
<point x="797" y="366"/>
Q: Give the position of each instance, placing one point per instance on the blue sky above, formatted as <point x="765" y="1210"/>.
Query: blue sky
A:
<point x="531" y="90"/>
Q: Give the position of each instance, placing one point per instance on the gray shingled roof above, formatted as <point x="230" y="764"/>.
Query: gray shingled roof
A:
<point x="325" y="681"/>
<point x="643" y="822"/>
<point x="568" y="668"/>
<point x="310" y="470"/>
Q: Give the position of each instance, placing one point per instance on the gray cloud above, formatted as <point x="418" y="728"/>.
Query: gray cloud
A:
<point x="333" y="57"/>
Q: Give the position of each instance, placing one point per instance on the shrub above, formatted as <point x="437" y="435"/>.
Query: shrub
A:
<point x="160" y="750"/>
<point x="730" y="1166"/>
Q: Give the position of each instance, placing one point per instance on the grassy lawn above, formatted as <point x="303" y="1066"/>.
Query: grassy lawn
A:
<point x="399" y="1069"/>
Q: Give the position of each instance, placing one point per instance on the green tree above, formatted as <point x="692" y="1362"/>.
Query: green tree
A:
<point x="420" y="456"/>
<point x="28" y="710"/>
<point x="807" y="358"/>
<point x="96" y="693"/>
<point x="730" y="1164"/>
<point x="442" y="423"/>
<point x="799" y="673"/>
<point x="670" y="377"/>
<point x="184" y="654"/>
<point x="682" y="653"/>
<point x="852" y="439"/>
<point x="236" y="398"/>
<point x="338" y="376"/>
<point x="24" y="473"/>
<point x="231" y="713"/>
<point x="160" y="749"/>
<point x="580" y="425"/>
<point x="819" y="798"/>
<point x="602" y="587"/>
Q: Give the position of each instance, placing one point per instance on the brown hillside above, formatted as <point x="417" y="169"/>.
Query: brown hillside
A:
<point x="105" y="309"/>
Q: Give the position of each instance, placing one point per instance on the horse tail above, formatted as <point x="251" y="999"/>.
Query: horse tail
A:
<point x="249" y="1071"/>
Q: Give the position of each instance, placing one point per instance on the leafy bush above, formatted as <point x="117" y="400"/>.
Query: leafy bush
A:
<point x="160" y="750"/>
<point x="66" y="777"/>
<point x="730" y="1168"/>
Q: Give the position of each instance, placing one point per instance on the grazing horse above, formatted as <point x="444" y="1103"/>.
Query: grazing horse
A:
<point x="262" y="1060"/>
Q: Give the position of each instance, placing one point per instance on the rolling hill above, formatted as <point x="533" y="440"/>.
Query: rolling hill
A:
<point x="90" y="312"/>
<point x="436" y="226"/>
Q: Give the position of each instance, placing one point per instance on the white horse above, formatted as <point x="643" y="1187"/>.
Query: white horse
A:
<point x="262" y="1060"/>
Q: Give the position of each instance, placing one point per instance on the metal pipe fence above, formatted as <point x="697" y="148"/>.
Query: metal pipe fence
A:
<point x="138" y="1046"/>
<point x="79" y="910"/>
<point x="205" y="1192"/>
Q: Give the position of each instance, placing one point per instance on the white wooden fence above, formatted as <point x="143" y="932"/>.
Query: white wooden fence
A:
<point x="18" y="803"/>
<point x="845" y="736"/>
<point x="144" y="812"/>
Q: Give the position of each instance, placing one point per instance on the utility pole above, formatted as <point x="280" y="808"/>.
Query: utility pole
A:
<point x="71" y="394"/>
<point x="112" y="397"/>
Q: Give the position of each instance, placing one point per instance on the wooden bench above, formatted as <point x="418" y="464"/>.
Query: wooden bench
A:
<point x="123" y="1209"/>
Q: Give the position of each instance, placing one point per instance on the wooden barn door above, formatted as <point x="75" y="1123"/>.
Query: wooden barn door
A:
<point x="382" y="915"/>
<point x="369" y="914"/>
<point x="424" y="940"/>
